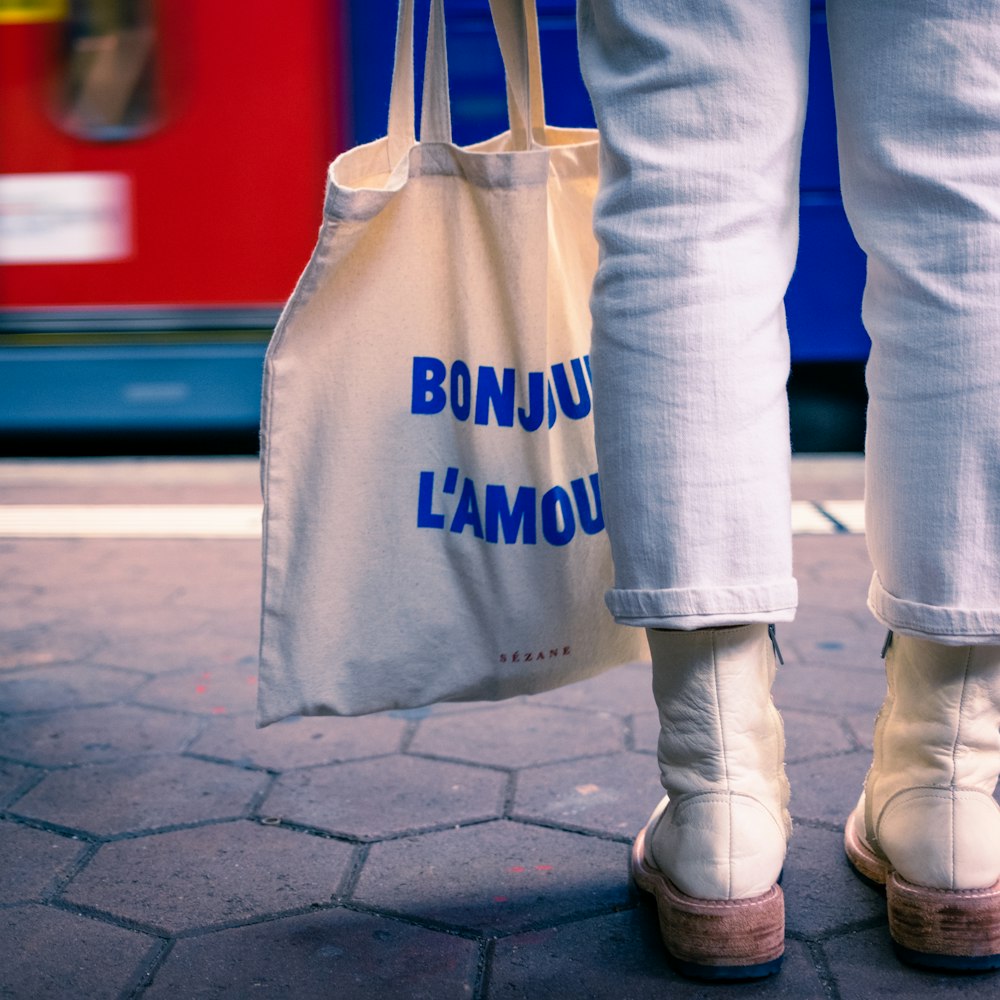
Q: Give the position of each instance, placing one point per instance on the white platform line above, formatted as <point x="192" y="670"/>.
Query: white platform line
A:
<point x="127" y="521"/>
<point x="849" y="513"/>
<point x="242" y="521"/>
<point x="807" y="520"/>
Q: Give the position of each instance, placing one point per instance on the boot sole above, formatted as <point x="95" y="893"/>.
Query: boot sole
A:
<point x="943" y="929"/>
<point x="714" y="939"/>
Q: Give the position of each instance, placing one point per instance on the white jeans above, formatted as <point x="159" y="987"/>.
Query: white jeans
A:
<point x="700" y="104"/>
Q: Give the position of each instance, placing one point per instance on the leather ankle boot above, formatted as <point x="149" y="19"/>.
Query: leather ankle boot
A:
<point x="927" y="825"/>
<point x="713" y="849"/>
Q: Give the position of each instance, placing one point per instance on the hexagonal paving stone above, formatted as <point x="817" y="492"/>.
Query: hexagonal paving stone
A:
<point x="862" y="725"/>
<point x="141" y="793"/>
<point x="851" y="649"/>
<point x="33" y="860"/>
<point x="174" y="635"/>
<point x="645" y="731"/>
<point x="236" y="610"/>
<point x="89" y="735"/>
<point x="822" y="893"/>
<point x="828" y="689"/>
<point x="45" y="952"/>
<point x="496" y="877"/>
<point x="828" y="637"/>
<point x="617" y="955"/>
<point x="50" y="688"/>
<point x="13" y="778"/>
<point x="386" y="796"/>
<point x="827" y="790"/>
<point x="219" y="689"/>
<point x="621" y="690"/>
<point x="41" y="646"/>
<point x="218" y="874"/>
<point x="795" y="638"/>
<point x="120" y="582"/>
<point x="519" y="735"/>
<point x="863" y="966"/>
<point x="621" y="955"/>
<point x="835" y="556"/>
<point x="613" y="794"/>
<point x="452" y="707"/>
<point x="299" y="742"/>
<point x="23" y="610"/>
<point x="330" y="953"/>
<point x="808" y="735"/>
<point x="171" y="643"/>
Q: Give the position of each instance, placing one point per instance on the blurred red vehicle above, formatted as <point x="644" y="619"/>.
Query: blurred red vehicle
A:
<point x="161" y="175"/>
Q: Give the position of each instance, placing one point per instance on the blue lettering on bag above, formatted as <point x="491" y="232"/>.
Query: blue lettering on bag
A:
<point x="488" y="391"/>
<point x="561" y="510"/>
<point x="554" y="501"/>
<point x="592" y="521"/>
<point x="434" y="385"/>
<point x="426" y="518"/>
<point x="519" y="519"/>
<point x="468" y="511"/>
<point x="427" y="394"/>
<point x="461" y="390"/>
<point x="531" y="419"/>
<point x="574" y="409"/>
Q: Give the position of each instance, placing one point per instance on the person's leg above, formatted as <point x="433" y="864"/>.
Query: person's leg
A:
<point x="918" y="106"/>
<point x="713" y="849"/>
<point x="700" y="107"/>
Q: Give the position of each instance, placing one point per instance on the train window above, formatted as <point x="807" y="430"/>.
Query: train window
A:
<point x="109" y="86"/>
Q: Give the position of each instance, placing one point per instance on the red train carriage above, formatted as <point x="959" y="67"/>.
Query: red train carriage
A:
<point x="161" y="176"/>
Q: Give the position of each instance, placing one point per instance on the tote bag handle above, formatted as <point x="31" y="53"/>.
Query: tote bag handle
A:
<point x="435" y="113"/>
<point x="516" y="25"/>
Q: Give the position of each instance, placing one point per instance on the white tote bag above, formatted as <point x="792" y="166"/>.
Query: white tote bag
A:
<point x="432" y="525"/>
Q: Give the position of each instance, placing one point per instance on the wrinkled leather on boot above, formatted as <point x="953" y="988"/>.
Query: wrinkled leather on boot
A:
<point x="928" y="804"/>
<point x="723" y="829"/>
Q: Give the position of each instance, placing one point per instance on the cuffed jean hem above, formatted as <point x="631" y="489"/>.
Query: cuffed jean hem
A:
<point x="714" y="607"/>
<point x="949" y="626"/>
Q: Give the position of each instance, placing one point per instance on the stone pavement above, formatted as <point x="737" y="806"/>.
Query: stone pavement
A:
<point x="155" y="844"/>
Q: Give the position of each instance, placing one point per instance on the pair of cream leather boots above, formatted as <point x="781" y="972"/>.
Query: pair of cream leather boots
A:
<point x="926" y="827"/>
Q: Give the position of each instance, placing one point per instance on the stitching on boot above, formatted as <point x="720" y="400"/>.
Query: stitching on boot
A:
<point x="725" y="761"/>
<point x="953" y="818"/>
<point x="954" y="761"/>
<point x="939" y="792"/>
<point x="732" y="799"/>
<point x="881" y="723"/>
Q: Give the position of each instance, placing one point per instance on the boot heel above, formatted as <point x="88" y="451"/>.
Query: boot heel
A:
<point x="715" y="939"/>
<point x="866" y="863"/>
<point x="944" y="928"/>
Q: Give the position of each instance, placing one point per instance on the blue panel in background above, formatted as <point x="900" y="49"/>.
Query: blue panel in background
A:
<point x="135" y="387"/>
<point x="819" y="142"/>
<point x="823" y="300"/>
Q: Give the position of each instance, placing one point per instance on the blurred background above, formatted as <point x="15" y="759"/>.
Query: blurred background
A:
<point x="162" y="165"/>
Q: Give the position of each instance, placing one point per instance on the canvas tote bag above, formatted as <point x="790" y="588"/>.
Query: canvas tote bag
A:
<point x="432" y="521"/>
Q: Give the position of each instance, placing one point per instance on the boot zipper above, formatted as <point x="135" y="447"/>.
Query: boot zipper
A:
<point x="773" y="633"/>
<point x="887" y="643"/>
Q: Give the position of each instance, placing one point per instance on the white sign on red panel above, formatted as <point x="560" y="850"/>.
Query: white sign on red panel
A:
<point x="64" y="218"/>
